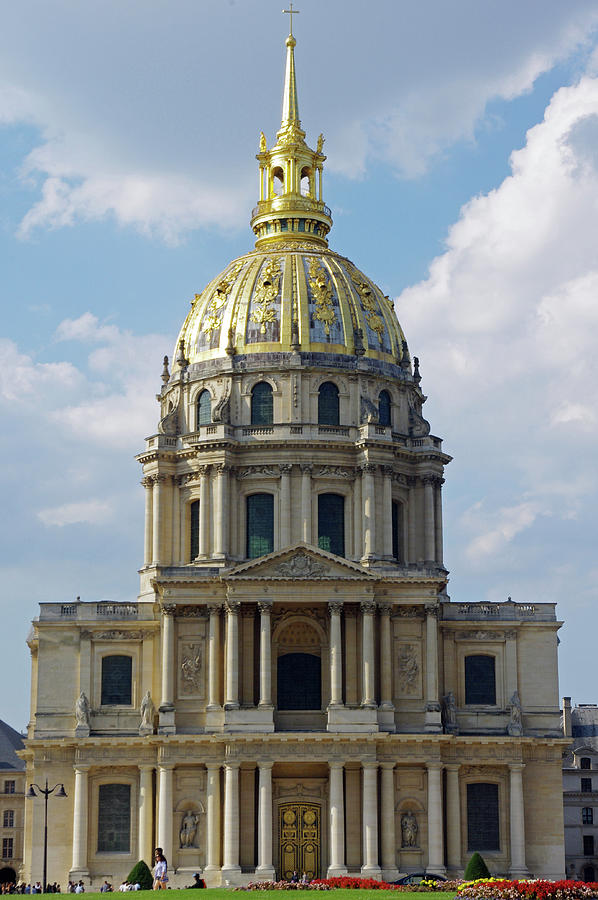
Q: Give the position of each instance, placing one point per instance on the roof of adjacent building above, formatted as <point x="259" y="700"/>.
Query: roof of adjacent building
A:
<point x="10" y="742"/>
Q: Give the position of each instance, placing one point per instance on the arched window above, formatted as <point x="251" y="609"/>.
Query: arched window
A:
<point x="194" y="530"/>
<point x="262" y="408"/>
<point x="384" y="408"/>
<point x="260" y="525"/>
<point x="483" y="831"/>
<point x="585" y="763"/>
<point x="204" y="408"/>
<point x="480" y="680"/>
<point x="328" y="405"/>
<point x="114" y="818"/>
<point x="397" y="532"/>
<point x="299" y="681"/>
<point x="116" y="680"/>
<point x="278" y="181"/>
<point x="331" y="523"/>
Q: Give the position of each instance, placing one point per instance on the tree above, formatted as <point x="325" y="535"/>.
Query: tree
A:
<point x="476" y="868"/>
<point x="140" y="874"/>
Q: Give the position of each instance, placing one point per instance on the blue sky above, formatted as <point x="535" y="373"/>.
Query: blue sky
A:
<point x="463" y="178"/>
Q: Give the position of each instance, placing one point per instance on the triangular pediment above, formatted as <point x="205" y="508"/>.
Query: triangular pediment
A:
<point x="300" y="562"/>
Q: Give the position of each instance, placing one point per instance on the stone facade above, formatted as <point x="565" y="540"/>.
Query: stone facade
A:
<point x="12" y="804"/>
<point x="580" y="790"/>
<point x="293" y="688"/>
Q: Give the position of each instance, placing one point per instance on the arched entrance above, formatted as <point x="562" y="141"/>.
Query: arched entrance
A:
<point x="8" y="875"/>
<point x="300" y="839"/>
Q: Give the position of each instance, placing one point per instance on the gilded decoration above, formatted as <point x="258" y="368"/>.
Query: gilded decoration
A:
<point x="322" y="293"/>
<point x="368" y="302"/>
<point x="265" y="294"/>
<point x="215" y="307"/>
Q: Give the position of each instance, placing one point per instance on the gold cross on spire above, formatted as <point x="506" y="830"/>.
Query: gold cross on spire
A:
<point x="292" y="12"/>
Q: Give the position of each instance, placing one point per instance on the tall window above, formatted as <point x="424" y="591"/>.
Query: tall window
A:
<point x="116" y="680"/>
<point x="9" y="818"/>
<point x="331" y="523"/>
<point x="588" y="873"/>
<point x="204" y="408"/>
<point x="586" y="785"/>
<point x="480" y="680"/>
<point x="585" y="763"/>
<point x="7" y="849"/>
<point x="587" y="815"/>
<point x="328" y="404"/>
<point x="482" y="817"/>
<point x="9" y="787"/>
<point x="588" y="845"/>
<point x="260" y="525"/>
<point x="384" y="408"/>
<point x="194" y="530"/>
<point x="262" y="407"/>
<point x="299" y="681"/>
<point x="397" y="531"/>
<point x="114" y="818"/>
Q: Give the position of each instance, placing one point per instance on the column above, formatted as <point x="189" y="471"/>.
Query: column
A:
<point x="214" y="657"/>
<point x="453" y="818"/>
<point x="432" y="719"/>
<point x="230" y="866"/>
<point x="144" y="848"/>
<point x="176" y="521"/>
<point x="387" y="822"/>
<point x="387" y="514"/>
<point x="306" y="503"/>
<point x="336" y="653"/>
<point x="412" y="521"/>
<point x="429" y="526"/>
<point x="264" y="854"/>
<point x="233" y="493"/>
<point x="368" y="611"/>
<point x="221" y="512"/>
<point x="265" y="609"/>
<point x="231" y="700"/>
<point x="357" y="520"/>
<point x="165" y="779"/>
<point x="438" y="519"/>
<point x="369" y="510"/>
<point x="435" y="836"/>
<point x="204" y="509"/>
<point x="148" y="484"/>
<point x="385" y="658"/>
<point x="213" y="818"/>
<point x="167" y="698"/>
<point x="517" y="823"/>
<point x="80" y="819"/>
<point x="337" y="865"/>
<point x="370" y="865"/>
<point x="158" y="498"/>
<point x="285" y="505"/>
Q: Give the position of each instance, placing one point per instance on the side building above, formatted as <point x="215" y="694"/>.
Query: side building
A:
<point x="580" y="790"/>
<point x="12" y="804"/>
<point x="293" y="688"/>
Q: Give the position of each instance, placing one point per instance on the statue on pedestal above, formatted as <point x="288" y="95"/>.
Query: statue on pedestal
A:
<point x="147" y="711"/>
<point x="82" y="716"/>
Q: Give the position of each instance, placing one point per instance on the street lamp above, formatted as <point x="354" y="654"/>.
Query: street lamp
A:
<point x="31" y="794"/>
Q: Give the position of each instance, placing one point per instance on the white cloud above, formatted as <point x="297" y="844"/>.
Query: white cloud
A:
<point x="497" y="530"/>
<point x="89" y="512"/>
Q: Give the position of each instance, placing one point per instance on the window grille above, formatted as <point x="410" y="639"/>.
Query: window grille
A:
<point x="9" y="787"/>
<point x="328" y="404"/>
<point x="480" y="680"/>
<point x="587" y="815"/>
<point x="397" y="532"/>
<point x="299" y="681"/>
<point x="588" y="845"/>
<point x="384" y="408"/>
<point x="194" y="530"/>
<point x="204" y="408"/>
<point x="260" y="525"/>
<point x="116" y="680"/>
<point x="586" y="785"/>
<point x="9" y="818"/>
<point x="262" y="408"/>
<point x="331" y="523"/>
<point x="7" y="848"/>
<point x="483" y="832"/>
<point x="114" y="818"/>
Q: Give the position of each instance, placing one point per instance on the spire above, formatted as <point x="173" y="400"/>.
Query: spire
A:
<point x="290" y="104"/>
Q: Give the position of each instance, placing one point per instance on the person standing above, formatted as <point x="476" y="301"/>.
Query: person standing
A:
<point x="160" y="870"/>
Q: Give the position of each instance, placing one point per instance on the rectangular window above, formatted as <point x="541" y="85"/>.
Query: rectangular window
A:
<point x="588" y="845"/>
<point x="331" y="523"/>
<point x="586" y="785"/>
<point x="585" y="763"/>
<point x="9" y="818"/>
<point x="397" y="531"/>
<point x="480" y="680"/>
<point x="194" y="529"/>
<point x="482" y="817"/>
<point x="114" y="818"/>
<point x="9" y="787"/>
<point x="587" y="816"/>
<point x="116" y="680"/>
<point x="260" y="525"/>
<point x="6" y="848"/>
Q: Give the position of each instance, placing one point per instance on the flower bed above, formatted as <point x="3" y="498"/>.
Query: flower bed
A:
<point x="503" y="889"/>
<point x="284" y="886"/>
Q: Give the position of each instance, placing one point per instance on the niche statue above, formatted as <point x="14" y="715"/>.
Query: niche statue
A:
<point x="409" y="829"/>
<point x="188" y="829"/>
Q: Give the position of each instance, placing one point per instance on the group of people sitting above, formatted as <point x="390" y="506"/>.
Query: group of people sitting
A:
<point x="11" y="888"/>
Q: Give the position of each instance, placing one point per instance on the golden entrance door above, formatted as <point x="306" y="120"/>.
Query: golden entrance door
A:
<point x="299" y="831"/>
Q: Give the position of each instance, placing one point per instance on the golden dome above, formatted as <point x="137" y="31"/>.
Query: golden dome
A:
<point x="291" y="294"/>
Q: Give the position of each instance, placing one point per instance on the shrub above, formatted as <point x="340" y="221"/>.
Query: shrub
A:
<point x="140" y="874"/>
<point x="476" y="868"/>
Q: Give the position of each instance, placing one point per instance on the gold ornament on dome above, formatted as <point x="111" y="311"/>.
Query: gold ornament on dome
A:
<point x="265" y="295"/>
<point x="322" y="293"/>
<point x="368" y="303"/>
<point x="213" y="314"/>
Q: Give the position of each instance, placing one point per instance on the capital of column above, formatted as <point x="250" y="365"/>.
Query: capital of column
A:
<point x="387" y="765"/>
<point x="232" y="764"/>
<point x="285" y="468"/>
<point x="81" y="769"/>
<point x="168" y="609"/>
<point x="214" y="609"/>
<point x="335" y="764"/>
<point x="306" y="468"/>
<point x="385" y="609"/>
<point x="452" y="767"/>
<point x="335" y="607"/>
<point x="516" y="767"/>
<point x="232" y="606"/>
<point x="368" y="469"/>
<point x="147" y="481"/>
<point x="432" y="610"/>
<point x="213" y="767"/>
<point x="222" y="468"/>
<point x="369" y="765"/>
<point x="165" y="766"/>
<point x="265" y="607"/>
<point x="158" y="479"/>
<point x="265" y="764"/>
<point x="387" y="471"/>
<point x="433" y="765"/>
<point x="368" y="607"/>
<point x="202" y="471"/>
<point x="144" y="767"/>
